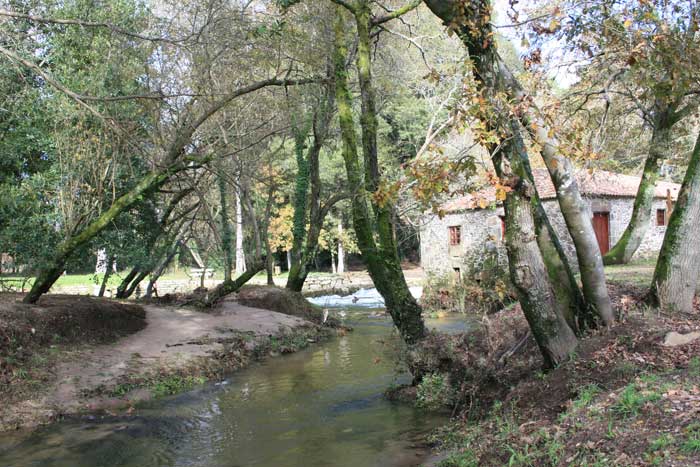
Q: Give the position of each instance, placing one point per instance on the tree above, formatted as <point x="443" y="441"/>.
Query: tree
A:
<point x="677" y="271"/>
<point x="472" y="24"/>
<point x="639" y="61"/>
<point x="380" y="255"/>
<point x="308" y="207"/>
<point x="538" y="269"/>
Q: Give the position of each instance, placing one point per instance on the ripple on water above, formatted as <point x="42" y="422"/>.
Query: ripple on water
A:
<point x="319" y="407"/>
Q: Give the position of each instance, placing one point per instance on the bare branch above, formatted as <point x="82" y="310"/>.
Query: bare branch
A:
<point x="90" y="24"/>
<point x="412" y="5"/>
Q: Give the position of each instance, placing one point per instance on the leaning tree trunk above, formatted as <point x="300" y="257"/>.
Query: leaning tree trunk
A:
<point x="53" y="270"/>
<point x="638" y="225"/>
<point x="135" y="283"/>
<point x="50" y="272"/>
<point x="382" y="262"/>
<point x="547" y="291"/>
<point x="126" y="281"/>
<point x="259" y="262"/>
<point x="473" y="19"/>
<point x="539" y="299"/>
<point x="574" y="210"/>
<point x="108" y="274"/>
<point x="678" y="268"/>
<point x="571" y="301"/>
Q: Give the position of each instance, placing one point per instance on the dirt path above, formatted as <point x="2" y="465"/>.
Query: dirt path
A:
<point x="173" y="339"/>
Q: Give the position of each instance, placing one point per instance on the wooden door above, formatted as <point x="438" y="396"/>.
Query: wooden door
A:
<point x="601" y="225"/>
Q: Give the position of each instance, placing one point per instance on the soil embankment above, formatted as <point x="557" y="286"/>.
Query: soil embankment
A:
<point x="110" y="355"/>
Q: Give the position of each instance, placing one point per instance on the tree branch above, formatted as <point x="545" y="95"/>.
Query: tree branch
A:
<point x="412" y="5"/>
<point x="348" y="6"/>
<point x="89" y="24"/>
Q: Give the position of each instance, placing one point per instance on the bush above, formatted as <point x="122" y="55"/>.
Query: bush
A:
<point x="434" y="392"/>
<point x="486" y="288"/>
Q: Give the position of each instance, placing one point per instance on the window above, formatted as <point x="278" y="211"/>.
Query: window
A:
<point x="455" y="232"/>
<point x="660" y="217"/>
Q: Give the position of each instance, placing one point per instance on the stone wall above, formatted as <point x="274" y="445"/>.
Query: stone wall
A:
<point x="620" y="210"/>
<point x="481" y="231"/>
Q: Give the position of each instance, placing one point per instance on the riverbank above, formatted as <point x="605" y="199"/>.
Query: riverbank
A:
<point x="173" y="349"/>
<point x="629" y="396"/>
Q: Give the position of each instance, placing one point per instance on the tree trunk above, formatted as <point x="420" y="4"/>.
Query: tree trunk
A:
<point x="135" y="283"/>
<point x="678" y="268"/>
<point x="305" y="243"/>
<point x="638" y="225"/>
<point x="382" y="263"/>
<point x="546" y="287"/>
<point x="108" y="273"/>
<point x="528" y="269"/>
<point x="574" y="210"/>
<point x="240" y="254"/>
<point x="158" y="272"/>
<point x="341" y="250"/>
<point x="301" y="190"/>
<point x="226" y="288"/>
<point x="477" y="35"/>
<point x="47" y="275"/>
<point x="226" y="233"/>
<point x="124" y="285"/>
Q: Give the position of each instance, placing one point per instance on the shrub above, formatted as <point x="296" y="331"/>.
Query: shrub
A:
<point x="434" y="391"/>
<point x="485" y="288"/>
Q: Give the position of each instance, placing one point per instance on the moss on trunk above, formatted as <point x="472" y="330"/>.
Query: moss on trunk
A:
<point x="678" y="267"/>
<point x="627" y="245"/>
<point x="381" y="258"/>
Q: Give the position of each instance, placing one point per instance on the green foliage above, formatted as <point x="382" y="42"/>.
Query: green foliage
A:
<point x="434" y="392"/>
<point x="694" y="366"/>
<point x="485" y="288"/>
<point x="161" y="386"/>
<point x="661" y="443"/>
<point x="175" y="384"/>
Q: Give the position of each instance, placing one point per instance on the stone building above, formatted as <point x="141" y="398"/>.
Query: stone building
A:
<point x="474" y="224"/>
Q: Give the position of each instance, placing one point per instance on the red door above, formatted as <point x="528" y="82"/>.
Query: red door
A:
<point x="601" y="225"/>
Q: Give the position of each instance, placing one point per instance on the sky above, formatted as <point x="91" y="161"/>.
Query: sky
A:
<point x="564" y="77"/>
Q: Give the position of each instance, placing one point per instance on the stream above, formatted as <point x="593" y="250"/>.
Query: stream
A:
<point x="322" y="406"/>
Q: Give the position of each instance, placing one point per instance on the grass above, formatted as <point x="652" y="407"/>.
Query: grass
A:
<point x="586" y="395"/>
<point x="91" y="279"/>
<point x="161" y="386"/>
<point x="632" y="399"/>
<point x="692" y="443"/>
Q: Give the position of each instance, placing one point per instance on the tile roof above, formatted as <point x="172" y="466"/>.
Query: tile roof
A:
<point x="597" y="183"/>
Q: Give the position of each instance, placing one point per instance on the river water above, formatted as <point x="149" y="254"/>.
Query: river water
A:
<point x="322" y="406"/>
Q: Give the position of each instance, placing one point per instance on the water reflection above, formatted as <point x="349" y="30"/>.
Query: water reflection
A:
<point x="319" y="407"/>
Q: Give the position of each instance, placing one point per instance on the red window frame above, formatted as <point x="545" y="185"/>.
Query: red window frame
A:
<point x="660" y="217"/>
<point x="455" y="234"/>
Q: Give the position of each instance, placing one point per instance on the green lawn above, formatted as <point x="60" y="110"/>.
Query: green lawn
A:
<point x="638" y="273"/>
<point x="71" y="280"/>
